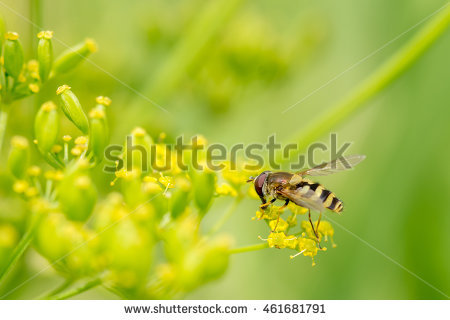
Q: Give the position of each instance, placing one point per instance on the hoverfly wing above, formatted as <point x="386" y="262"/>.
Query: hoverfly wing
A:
<point x="295" y="179"/>
<point x="303" y="197"/>
<point x="337" y="165"/>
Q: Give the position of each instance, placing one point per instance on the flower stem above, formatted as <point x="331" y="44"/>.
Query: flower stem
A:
<point x="207" y="23"/>
<point x="21" y="247"/>
<point x="249" y="248"/>
<point x="3" y="123"/>
<point x="63" y="286"/>
<point x="219" y="224"/>
<point x="87" y="286"/>
<point x="378" y="80"/>
<point x="35" y="7"/>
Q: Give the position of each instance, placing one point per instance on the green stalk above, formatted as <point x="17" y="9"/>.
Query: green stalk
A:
<point x="226" y="215"/>
<point x="203" y="29"/>
<point x="3" y="124"/>
<point x="63" y="286"/>
<point x="378" y="80"/>
<point x="254" y="247"/>
<point x="21" y="247"/>
<point x="35" y="7"/>
<point x="87" y="286"/>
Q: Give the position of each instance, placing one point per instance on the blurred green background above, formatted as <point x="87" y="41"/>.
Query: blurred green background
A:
<point x="260" y="58"/>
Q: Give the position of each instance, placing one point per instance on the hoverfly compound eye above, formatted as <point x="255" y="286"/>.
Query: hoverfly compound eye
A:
<point x="259" y="183"/>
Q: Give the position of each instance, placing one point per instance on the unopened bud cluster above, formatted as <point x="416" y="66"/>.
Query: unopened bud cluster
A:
<point x="20" y="78"/>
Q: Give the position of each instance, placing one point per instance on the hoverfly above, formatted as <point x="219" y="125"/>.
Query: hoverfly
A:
<point x="293" y="187"/>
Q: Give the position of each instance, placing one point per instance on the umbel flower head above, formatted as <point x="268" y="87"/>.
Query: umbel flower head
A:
<point x="282" y="236"/>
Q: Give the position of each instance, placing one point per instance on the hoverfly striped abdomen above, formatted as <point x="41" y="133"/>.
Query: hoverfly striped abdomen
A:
<point x="328" y="198"/>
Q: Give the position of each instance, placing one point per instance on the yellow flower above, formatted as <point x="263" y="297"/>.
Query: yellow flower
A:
<point x="34" y="171"/>
<point x="33" y="87"/>
<point x="281" y="226"/>
<point x="150" y="179"/>
<point x="151" y="187"/>
<point x="327" y="230"/>
<point x="226" y="190"/>
<point x="67" y="138"/>
<point x="306" y="226"/>
<point x="280" y="240"/>
<point x="167" y="181"/>
<point x="297" y="209"/>
<point x="235" y="174"/>
<point x="81" y="140"/>
<point x="252" y="193"/>
<point x="277" y="240"/>
<point x="307" y="247"/>
<point x="76" y="151"/>
<point x="56" y="175"/>
<point x="20" y="186"/>
<point x="105" y="101"/>
<point x="259" y="215"/>
<point x="31" y="192"/>
<point x="8" y="236"/>
<point x="291" y="242"/>
<point x="56" y="148"/>
<point x="122" y="173"/>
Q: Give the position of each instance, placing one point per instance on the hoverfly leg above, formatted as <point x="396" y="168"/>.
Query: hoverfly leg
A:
<point x="279" y="213"/>
<point x="318" y="222"/>
<point x="265" y="205"/>
<point x="314" y="230"/>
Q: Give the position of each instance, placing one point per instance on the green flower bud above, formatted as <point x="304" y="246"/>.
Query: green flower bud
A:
<point x="203" y="263"/>
<point x="77" y="197"/>
<point x="49" y="239"/>
<point x="19" y="156"/>
<point x="204" y="184"/>
<point x="72" y="57"/>
<point x="45" y="54"/>
<point x="13" y="55"/>
<point x="179" y="236"/>
<point x="46" y="127"/>
<point x="68" y="243"/>
<point x="132" y="189"/>
<point x="128" y="249"/>
<point x="180" y="197"/>
<point x="9" y="237"/>
<point x="216" y="258"/>
<point x="71" y="107"/>
<point x="138" y="149"/>
<point x="98" y="132"/>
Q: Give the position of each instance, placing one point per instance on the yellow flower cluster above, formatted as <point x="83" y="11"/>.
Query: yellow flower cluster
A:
<point x="305" y="241"/>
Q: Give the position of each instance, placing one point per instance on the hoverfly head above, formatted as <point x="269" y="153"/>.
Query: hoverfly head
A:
<point x="259" y="183"/>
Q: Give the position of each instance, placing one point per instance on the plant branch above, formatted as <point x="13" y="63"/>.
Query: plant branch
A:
<point x="3" y="124"/>
<point x="219" y="224"/>
<point x="63" y="286"/>
<point x="35" y="7"/>
<point x="378" y="80"/>
<point x="254" y="247"/>
<point x="85" y="287"/>
<point x="21" y="247"/>
<point x="204" y="28"/>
